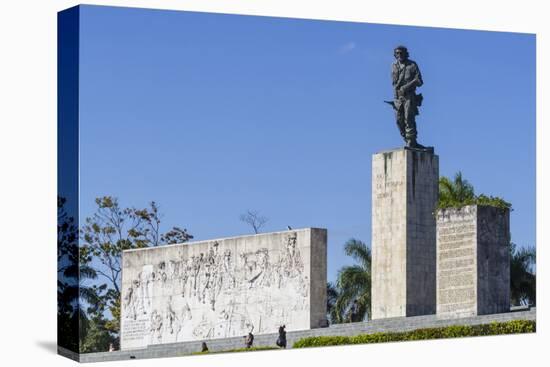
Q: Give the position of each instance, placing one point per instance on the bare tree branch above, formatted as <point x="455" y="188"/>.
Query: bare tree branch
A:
<point x="254" y="219"/>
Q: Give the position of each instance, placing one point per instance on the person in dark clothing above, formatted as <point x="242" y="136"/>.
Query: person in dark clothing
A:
<point x="281" y="340"/>
<point x="249" y="340"/>
<point x="204" y="347"/>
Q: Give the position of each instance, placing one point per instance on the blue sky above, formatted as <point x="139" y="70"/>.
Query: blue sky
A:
<point x="210" y="115"/>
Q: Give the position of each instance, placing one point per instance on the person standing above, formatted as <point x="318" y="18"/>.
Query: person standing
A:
<point x="249" y="340"/>
<point x="281" y="340"/>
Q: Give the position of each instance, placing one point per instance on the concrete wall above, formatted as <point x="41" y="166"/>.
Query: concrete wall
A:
<point x="404" y="198"/>
<point x="224" y="288"/>
<point x="473" y="264"/>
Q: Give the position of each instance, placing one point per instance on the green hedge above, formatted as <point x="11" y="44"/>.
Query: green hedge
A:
<point x="495" y="328"/>
<point x="483" y="200"/>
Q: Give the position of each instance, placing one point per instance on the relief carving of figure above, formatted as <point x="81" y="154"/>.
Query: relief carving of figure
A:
<point x="144" y="288"/>
<point x="212" y="263"/>
<point x="293" y="259"/>
<point x="262" y="269"/>
<point x="173" y="269"/>
<point x="186" y="312"/>
<point x="249" y="266"/>
<point x="170" y="317"/>
<point x="160" y="272"/>
<point x="156" y="326"/>
<point x="129" y="303"/>
<point x="184" y="278"/>
<point x="205" y="281"/>
<point x="291" y="266"/>
<point x="195" y="267"/>
<point x="227" y="274"/>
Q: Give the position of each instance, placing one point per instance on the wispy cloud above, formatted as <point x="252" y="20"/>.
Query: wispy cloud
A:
<point x="347" y="47"/>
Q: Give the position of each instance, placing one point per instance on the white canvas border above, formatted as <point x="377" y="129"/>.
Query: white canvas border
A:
<point x="28" y="185"/>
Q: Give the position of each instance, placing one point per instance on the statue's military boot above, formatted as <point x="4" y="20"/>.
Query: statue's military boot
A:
<point x="413" y="144"/>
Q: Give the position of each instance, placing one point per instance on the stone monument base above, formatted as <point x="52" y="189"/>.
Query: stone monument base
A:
<point x="404" y="198"/>
<point x="473" y="261"/>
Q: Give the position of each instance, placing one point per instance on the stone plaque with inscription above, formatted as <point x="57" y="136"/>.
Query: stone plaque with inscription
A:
<point x="473" y="265"/>
<point x="404" y="199"/>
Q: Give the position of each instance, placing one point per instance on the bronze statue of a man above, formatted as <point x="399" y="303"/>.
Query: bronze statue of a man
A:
<point x="406" y="78"/>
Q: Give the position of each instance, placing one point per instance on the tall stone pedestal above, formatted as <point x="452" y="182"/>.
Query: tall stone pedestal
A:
<point x="404" y="199"/>
<point x="473" y="261"/>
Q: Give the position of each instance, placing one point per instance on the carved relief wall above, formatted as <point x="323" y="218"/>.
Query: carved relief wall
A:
<point x="223" y="288"/>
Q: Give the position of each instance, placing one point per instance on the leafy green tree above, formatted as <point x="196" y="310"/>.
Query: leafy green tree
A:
<point x="67" y="278"/>
<point x="455" y="193"/>
<point x="72" y="281"/>
<point x="459" y="192"/>
<point x="109" y="231"/>
<point x="353" y="283"/>
<point x="522" y="275"/>
<point x="97" y="337"/>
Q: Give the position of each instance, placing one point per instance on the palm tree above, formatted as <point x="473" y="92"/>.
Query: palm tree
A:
<point x="332" y="296"/>
<point x="458" y="192"/>
<point x="522" y="275"/>
<point x="354" y="283"/>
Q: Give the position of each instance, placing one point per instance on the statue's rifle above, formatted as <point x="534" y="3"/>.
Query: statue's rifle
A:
<point x="391" y="103"/>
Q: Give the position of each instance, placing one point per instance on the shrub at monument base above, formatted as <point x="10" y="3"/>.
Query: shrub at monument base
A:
<point x="495" y="328"/>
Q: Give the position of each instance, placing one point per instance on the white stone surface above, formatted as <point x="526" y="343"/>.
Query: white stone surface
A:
<point x="473" y="264"/>
<point x="404" y="199"/>
<point x="224" y="288"/>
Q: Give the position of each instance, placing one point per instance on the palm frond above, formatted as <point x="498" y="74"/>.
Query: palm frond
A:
<point x="359" y="251"/>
